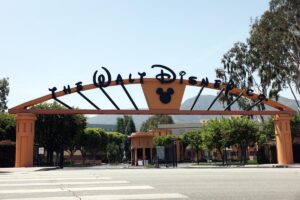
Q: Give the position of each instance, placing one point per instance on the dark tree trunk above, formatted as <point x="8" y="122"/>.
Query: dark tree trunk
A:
<point x="71" y="157"/>
<point x="50" y="157"/>
<point x="245" y="155"/>
<point x="197" y="154"/>
<point x="241" y="155"/>
<point x="83" y="154"/>
<point x="222" y="156"/>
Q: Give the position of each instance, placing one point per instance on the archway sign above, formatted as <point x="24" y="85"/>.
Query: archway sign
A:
<point x="163" y="95"/>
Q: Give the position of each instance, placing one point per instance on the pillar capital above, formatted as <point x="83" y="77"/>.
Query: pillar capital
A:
<point x="25" y="116"/>
<point x="281" y="117"/>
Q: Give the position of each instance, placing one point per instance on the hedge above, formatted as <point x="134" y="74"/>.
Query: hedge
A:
<point x="7" y="153"/>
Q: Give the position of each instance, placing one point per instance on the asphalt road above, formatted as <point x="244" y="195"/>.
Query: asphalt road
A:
<point x="93" y="183"/>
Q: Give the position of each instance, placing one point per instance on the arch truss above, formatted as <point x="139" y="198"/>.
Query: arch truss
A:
<point x="163" y="95"/>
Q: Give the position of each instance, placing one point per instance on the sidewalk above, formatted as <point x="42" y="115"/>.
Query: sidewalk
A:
<point x="26" y="169"/>
<point x="162" y="166"/>
<point x="193" y="165"/>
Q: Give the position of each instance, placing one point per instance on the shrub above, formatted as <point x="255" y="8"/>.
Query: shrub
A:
<point x="7" y="153"/>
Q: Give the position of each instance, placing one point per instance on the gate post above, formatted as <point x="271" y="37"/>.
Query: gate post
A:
<point x="283" y="135"/>
<point x="25" y="123"/>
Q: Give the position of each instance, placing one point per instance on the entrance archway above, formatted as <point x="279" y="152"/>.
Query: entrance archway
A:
<point x="163" y="95"/>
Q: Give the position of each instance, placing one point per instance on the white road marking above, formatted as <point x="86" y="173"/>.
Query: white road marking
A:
<point x="30" y="191"/>
<point x="54" y="179"/>
<point x="115" y="197"/>
<point x="131" y="187"/>
<point x="135" y="196"/>
<point x="66" y="189"/>
<point x="63" y="183"/>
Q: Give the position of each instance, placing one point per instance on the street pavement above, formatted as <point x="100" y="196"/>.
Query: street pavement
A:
<point x="111" y="184"/>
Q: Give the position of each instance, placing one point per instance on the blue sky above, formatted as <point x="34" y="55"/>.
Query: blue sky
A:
<point x="55" y="43"/>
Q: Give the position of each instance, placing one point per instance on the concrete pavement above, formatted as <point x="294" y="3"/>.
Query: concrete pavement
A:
<point x="127" y="166"/>
<point x="180" y="183"/>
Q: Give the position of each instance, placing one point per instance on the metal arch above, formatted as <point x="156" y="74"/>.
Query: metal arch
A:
<point x="23" y="107"/>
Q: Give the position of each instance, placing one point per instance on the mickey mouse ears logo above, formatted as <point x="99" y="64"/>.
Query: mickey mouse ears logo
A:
<point x="165" y="97"/>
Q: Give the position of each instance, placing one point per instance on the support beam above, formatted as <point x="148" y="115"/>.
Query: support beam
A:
<point x="213" y="102"/>
<point x="147" y="112"/>
<point x="88" y="100"/>
<point x="25" y="123"/>
<point x="283" y="135"/>
<point x="197" y="97"/>
<point x="129" y="96"/>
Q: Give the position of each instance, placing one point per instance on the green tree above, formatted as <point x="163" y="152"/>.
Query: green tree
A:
<point x="243" y="133"/>
<point x="47" y="130"/>
<point x="275" y="38"/>
<point x="83" y="146"/>
<point x="115" y="140"/>
<point x="215" y="135"/>
<point x="4" y="91"/>
<point x="130" y="126"/>
<point x="152" y="122"/>
<point x="270" y="60"/>
<point x="240" y="66"/>
<point x="73" y="126"/>
<point x="295" y="126"/>
<point x="266" y="132"/>
<point x="126" y="126"/>
<point x="95" y="140"/>
<point x="163" y="140"/>
<point x="7" y="127"/>
<point x="184" y="143"/>
<point x="57" y="132"/>
<point x="113" y="152"/>
<point x="194" y="139"/>
<point x="120" y="125"/>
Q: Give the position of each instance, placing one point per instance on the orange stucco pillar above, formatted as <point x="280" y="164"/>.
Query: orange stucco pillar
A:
<point x="24" y="139"/>
<point x="135" y="157"/>
<point x="283" y="134"/>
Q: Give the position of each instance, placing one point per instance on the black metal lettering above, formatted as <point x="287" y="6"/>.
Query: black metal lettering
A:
<point x="52" y="90"/>
<point x="217" y="83"/>
<point x="229" y="86"/>
<point x="131" y="80"/>
<point x="261" y="97"/>
<point x="142" y="75"/>
<point x="100" y="81"/>
<point x="192" y="80"/>
<point x="249" y="92"/>
<point x="204" y="82"/>
<point x="165" y="77"/>
<point x="119" y="80"/>
<point x="79" y="86"/>
<point x="67" y="90"/>
<point x="181" y="74"/>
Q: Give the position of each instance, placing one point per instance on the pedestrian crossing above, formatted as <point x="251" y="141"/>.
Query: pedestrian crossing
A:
<point x="66" y="186"/>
